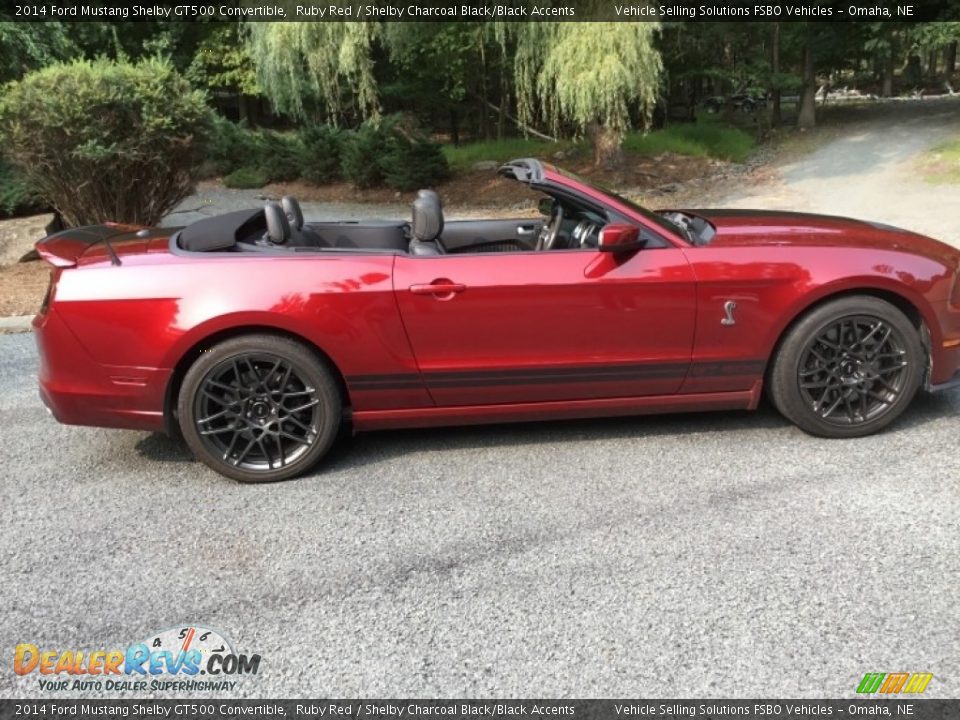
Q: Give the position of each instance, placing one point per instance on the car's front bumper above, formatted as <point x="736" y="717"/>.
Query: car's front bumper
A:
<point x="950" y="384"/>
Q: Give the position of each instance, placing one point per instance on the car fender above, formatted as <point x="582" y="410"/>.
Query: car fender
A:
<point x="865" y="284"/>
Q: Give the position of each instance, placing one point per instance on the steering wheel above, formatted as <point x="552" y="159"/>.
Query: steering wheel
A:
<point x="551" y="230"/>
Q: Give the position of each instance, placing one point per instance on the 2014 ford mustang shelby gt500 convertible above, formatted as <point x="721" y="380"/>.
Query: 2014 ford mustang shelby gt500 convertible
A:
<point x="258" y="336"/>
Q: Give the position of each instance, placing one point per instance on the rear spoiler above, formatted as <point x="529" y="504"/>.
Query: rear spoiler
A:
<point x="64" y="248"/>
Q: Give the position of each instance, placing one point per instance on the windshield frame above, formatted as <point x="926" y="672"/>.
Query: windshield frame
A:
<point x="660" y="222"/>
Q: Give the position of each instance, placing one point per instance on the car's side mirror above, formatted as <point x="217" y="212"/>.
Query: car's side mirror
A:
<point x="620" y="238"/>
<point x="545" y="206"/>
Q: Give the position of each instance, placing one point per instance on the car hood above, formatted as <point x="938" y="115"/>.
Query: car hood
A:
<point x="762" y="227"/>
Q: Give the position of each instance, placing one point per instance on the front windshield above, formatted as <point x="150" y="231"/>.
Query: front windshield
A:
<point x="640" y="210"/>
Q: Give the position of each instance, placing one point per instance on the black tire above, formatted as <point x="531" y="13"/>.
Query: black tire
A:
<point x="259" y="408"/>
<point x="848" y="368"/>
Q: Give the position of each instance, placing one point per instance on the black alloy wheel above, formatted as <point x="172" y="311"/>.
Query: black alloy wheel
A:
<point x="853" y="370"/>
<point x="259" y="408"/>
<point x="848" y="368"/>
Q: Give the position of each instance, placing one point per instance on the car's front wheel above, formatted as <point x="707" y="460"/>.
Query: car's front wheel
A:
<point x="259" y="408"/>
<point x="848" y="368"/>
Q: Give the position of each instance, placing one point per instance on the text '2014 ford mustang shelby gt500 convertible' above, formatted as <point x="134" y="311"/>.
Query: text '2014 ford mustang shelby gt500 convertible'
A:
<point x="258" y="336"/>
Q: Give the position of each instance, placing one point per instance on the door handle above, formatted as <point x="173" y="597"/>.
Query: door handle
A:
<point x="524" y="230"/>
<point x="439" y="288"/>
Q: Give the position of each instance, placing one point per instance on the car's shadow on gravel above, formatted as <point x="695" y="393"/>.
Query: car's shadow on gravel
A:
<point x="377" y="447"/>
<point x="383" y="446"/>
<point x="163" y="448"/>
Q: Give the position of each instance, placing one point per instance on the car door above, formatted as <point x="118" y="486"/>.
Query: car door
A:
<point x="548" y="326"/>
<point x="466" y="235"/>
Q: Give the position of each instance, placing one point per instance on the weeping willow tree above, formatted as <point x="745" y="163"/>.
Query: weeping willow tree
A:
<point x="588" y="76"/>
<point x="328" y="64"/>
<point x="576" y="78"/>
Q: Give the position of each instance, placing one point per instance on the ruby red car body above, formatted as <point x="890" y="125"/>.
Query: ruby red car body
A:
<point x="525" y="335"/>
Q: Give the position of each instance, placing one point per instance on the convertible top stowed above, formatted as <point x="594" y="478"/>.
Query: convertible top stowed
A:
<point x="222" y="231"/>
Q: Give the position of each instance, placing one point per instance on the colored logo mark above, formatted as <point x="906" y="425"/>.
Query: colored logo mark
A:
<point x="894" y="683"/>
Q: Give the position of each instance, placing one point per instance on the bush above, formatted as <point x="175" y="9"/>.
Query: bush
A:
<point x="279" y="155"/>
<point x="17" y="197"/>
<point x="411" y="163"/>
<point x="103" y="140"/>
<point x="362" y="150"/>
<point x="231" y="146"/>
<point x="234" y="146"/>
<point x="246" y="178"/>
<point x="394" y="153"/>
<point x="322" y="151"/>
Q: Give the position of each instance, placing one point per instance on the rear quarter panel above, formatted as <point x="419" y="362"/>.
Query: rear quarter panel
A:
<point x="154" y="310"/>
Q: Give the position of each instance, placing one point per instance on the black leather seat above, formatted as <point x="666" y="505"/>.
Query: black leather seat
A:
<point x="301" y="235"/>
<point x="426" y="224"/>
<point x="278" y="227"/>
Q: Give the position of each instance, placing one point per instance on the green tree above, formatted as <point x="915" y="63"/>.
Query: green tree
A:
<point x="444" y="69"/>
<point x="301" y="65"/>
<point x="574" y="77"/>
<point x="222" y="63"/>
<point x="103" y="140"/>
<point x="587" y="75"/>
<point x="30" y="46"/>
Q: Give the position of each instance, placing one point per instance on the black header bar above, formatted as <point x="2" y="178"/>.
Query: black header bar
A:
<point x="474" y="11"/>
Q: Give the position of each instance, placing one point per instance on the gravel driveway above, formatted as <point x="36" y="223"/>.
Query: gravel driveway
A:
<point x="714" y="555"/>
<point x="869" y="172"/>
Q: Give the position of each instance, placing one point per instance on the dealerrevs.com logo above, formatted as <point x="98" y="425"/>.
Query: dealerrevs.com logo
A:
<point x="186" y="658"/>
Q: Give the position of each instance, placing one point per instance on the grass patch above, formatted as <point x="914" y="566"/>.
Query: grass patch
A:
<point x="463" y="157"/>
<point x="704" y="139"/>
<point x="246" y="178"/>
<point x="941" y="165"/>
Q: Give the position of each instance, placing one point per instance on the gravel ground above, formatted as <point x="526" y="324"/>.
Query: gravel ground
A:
<point x="723" y="555"/>
<point x="870" y="172"/>
<point x="699" y="555"/>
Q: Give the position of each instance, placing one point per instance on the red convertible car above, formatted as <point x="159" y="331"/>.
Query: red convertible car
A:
<point x="259" y="336"/>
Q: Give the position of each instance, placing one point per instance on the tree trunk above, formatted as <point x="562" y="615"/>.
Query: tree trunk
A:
<point x="887" y="87"/>
<point x="950" y="58"/>
<point x="607" y="146"/>
<point x="454" y="127"/>
<point x="807" y="117"/>
<point x="504" y="100"/>
<point x="776" y="116"/>
<point x="484" y="95"/>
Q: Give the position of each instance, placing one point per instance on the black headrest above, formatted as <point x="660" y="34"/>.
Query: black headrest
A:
<point x="278" y="227"/>
<point x="291" y="209"/>
<point x="427" y="219"/>
<point x="433" y="196"/>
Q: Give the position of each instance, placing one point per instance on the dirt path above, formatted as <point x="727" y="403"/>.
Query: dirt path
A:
<point x="869" y="171"/>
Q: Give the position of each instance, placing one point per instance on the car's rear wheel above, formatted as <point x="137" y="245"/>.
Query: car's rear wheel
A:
<point x="259" y="408"/>
<point x="848" y="368"/>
